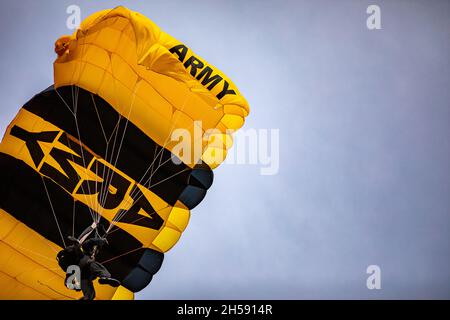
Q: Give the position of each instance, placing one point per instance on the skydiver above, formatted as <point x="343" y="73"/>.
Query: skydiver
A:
<point x="82" y="252"/>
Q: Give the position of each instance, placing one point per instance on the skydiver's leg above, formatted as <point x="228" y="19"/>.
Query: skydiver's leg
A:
<point x="99" y="270"/>
<point x="88" y="289"/>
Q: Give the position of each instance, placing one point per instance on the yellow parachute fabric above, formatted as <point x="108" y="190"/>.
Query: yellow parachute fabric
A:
<point x="118" y="62"/>
<point x="29" y="271"/>
<point x="153" y="79"/>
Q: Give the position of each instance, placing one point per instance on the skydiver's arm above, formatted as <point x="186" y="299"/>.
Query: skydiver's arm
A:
<point x="99" y="242"/>
<point x="83" y="236"/>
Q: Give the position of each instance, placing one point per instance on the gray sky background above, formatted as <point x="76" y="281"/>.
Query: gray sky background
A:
<point x="364" y="143"/>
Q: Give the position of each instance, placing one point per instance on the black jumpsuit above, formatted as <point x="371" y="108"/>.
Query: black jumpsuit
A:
<point x="91" y="269"/>
<point x="82" y="253"/>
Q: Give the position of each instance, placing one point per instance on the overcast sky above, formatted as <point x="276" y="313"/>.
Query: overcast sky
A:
<point x="363" y="118"/>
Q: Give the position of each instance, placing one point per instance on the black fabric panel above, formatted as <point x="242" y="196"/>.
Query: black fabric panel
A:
<point x="148" y="265"/>
<point x="24" y="197"/>
<point x="201" y="177"/>
<point x="192" y="196"/>
<point x="137" y="152"/>
<point x="151" y="261"/>
<point x="137" y="280"/>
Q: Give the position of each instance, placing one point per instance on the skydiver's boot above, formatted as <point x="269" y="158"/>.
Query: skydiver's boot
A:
<point x="112" y="282"/>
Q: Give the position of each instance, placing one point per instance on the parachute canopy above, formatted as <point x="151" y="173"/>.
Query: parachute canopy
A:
<point x="152" y="79"/>
<point x="98" y="145"/>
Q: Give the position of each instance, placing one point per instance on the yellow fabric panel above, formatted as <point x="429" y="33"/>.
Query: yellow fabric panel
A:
<point x="176" y="220"/>
<point x="166" y="239"/>
<point x="179" y="217"/>
<point x="94" y="55"/>
<point x="30" y="245"/>
<point x="109" y="38"/>
<point x="234" y="109"/>
<point x="103" y="292"/>
<point x="150" y="119"/>
<point x="65" y="72"/>
<point x="28" y="266"/>
<point x="152" y="99"/>
<point x="189" y="133"/>
<point x="214" y="156"/>
<point x="7" y="224"/>
<point x="47" y="282"/>
<point x="232" y="121"/>
<point x="217" y="139"/>
<point x="132" y="67"/>
<point x="31" y="274"/>
<point x="15" y="146"/>
<point x="126" y="48"/>
<point x="11" y="289"/>
<point x="107" y="85"/>
<point x="91" y="75"/>
<point x="123" y="293"/>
